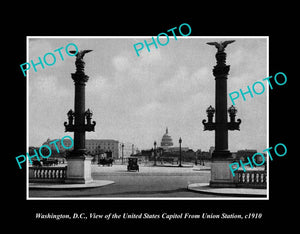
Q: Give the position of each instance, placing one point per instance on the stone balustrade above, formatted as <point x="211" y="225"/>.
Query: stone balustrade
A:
<point x="47" y="174"/>
<point x="251" y="179"/>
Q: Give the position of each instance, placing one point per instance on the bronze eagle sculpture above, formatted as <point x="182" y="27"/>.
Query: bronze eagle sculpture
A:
<point x="220" y="45"/>
<point x="80" y="54"/>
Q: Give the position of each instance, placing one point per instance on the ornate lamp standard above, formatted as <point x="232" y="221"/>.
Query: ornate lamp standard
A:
<point x="122" y="153"/>
<point x="221" y="157"/>
<point x="79" y="163"/>
<point x="180" y="141"/>
<point x="132" y="149"/>
<point x="154" y="153"/>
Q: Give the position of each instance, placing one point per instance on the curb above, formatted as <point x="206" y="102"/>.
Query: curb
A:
<point x="93" y="184"/>
<point x="236" y="192"/>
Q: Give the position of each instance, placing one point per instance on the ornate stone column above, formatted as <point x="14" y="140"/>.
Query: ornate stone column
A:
<point x="221" y="157"/>
<point x="79" y="163"/>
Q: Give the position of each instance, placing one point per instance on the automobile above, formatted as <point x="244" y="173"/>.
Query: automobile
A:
<point x="36" y="163"/>
<point x="50" y="162"/>
<point x="105" y="161"/>
<point x="132" y="164"/>
<point x="45" y="162"/>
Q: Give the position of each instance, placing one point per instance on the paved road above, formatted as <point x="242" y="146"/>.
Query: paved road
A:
<point x="149" y="182"/>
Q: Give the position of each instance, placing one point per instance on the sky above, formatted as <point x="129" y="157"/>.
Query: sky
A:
<point x="134" y="98"/>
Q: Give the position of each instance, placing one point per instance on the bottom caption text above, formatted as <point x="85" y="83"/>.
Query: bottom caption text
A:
<point x="146" y="216"/>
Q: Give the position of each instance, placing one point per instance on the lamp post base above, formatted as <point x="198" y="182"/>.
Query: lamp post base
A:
<point x="221" y="176"/>
<point x="79" y="170"/>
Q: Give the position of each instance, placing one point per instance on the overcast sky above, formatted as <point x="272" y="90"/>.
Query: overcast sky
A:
<point x="134" y="99"/>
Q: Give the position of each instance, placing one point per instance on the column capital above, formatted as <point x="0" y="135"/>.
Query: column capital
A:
<point x="221" y="71"/>
<point x="79" y="78"/>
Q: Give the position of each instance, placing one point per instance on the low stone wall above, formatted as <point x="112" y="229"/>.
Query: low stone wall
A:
<point x="251" y="179"/>
<point x="47" y="174"/>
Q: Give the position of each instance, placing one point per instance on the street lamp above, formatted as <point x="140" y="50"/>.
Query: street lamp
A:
<point x="154" y="153"/>
<point x="122" y="153"/>
<point x="180" y="152"/>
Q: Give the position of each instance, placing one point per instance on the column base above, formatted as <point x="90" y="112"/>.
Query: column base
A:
<point x="221" y="155"/>
<point x="221" y="176"/>
<point x="79" y="170"/>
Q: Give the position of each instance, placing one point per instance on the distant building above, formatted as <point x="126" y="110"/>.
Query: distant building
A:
<point x="176" y="149"/>
<point x="67" y="142"/>
<point x="166" y="141"/>
<point x="112" y="148"/>
<point x="109" y="147"/>
<point x="211" y="150"/>
<point x="167" y="144"/>
<point x="205" y="155"/>
<point x="243" y="154"/>
<point x="167" y="151"/>
<point x="98" y="146"/>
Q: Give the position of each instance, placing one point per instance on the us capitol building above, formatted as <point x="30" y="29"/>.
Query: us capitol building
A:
<point x="167" y="143"/>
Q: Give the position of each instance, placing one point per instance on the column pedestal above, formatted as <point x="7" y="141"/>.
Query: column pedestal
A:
<point x="221" y="176"/>
<point x="79" y="170"/>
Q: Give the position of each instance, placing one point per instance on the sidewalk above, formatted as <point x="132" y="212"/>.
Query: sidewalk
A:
<point x="93" y="184"/>
<point x="236" y="192"/>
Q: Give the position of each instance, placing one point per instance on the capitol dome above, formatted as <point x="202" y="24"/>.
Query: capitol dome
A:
<point x="166" y="140"/>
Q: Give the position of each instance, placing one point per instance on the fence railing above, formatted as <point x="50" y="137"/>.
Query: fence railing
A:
<point x="47" y="174"/>
<point x="251" y="179"/>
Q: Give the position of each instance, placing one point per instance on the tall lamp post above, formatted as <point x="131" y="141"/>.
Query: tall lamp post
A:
<point x="221" y="157"/>
<point x="132" y="149"/>
<point x="79" y="122"/>
<point x="154" y="153"/>
<point x="122" y="153"/>
<point x="180" y="140"/>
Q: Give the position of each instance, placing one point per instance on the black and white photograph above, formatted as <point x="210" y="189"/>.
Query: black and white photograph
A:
<point x="147" y="117"/>
<point x="136" y="122"/>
